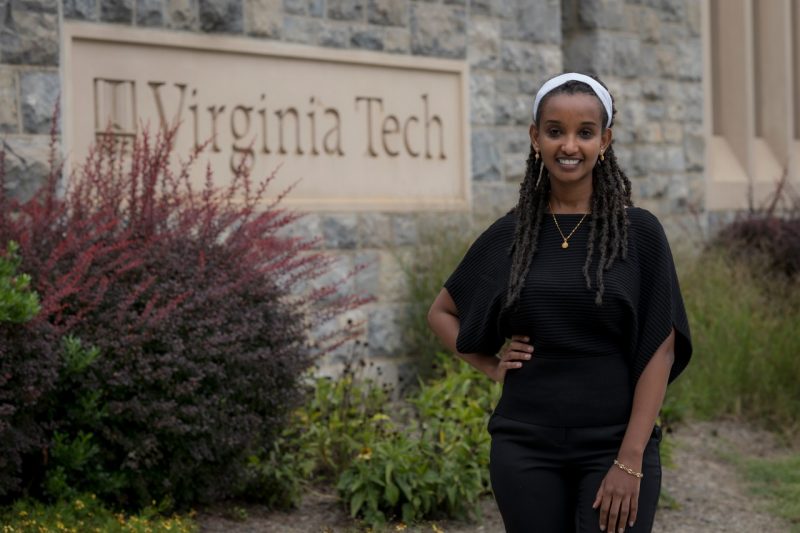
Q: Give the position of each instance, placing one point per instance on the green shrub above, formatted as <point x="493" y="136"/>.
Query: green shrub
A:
<point x="76" y="406"/>
<point x="746" y="342"/>
<point x="28" y="363"/>
<point x="435" y="465"/>
<point x="18" y="303"/>
<point x="85" y="514"/>
<point x="341" y="417"/>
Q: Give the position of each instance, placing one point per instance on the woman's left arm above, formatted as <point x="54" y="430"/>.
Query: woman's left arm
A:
<point x="618" y="496"/>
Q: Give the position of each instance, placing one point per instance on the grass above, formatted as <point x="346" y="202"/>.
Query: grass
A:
<point x="86" y="515"/>
<point x="432" y="262"/>
<point x="778" y="481"/>
<point x="746" y="345"/>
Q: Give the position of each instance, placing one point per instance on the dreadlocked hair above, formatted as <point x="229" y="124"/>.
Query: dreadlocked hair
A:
<point x="608" y="222"/>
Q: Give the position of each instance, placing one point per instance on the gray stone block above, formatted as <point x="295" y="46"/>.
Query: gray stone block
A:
<point x="335" y="36"/>
<point x="626" y="56"/>
<point x="313" y="8"/>
<point x="306" y="30"/>
<point x="307" y="228"/>
<point x="263" y="18"/>
<point x="694" y="18"/>
<point x="540" y="62"/>
<point x="346" y="9"/>
<point x="386" y="329"/>
<point x="150" y="13"/>
<point x="512" y="109"/>
<point x="581" y="53"/>
<point x="26" y="165"/>
<point x="39" y="91"/>
<point x="367" y="279"/>
<point x="490" y="200"/>
<point x="694" y="150"/>
<point x="120" y="11"/>
<point x="405" y="231"/>
<point x="80" y="9"/>
<point x="507" y="82"/>
<point x="397" y="40"/>
<point x="483" y="50"/>
<point x="673" y="10"/>
<point x="505" y="9"/>
<point x="515" y="166"/>
<point x="516" y="140"/>
<point x="482" y="95"/>
<point x="367" y="39"/>
<point x="28" y="36"/>
<point x="480" y="8"/>
<point x="375" y="230"/>
<point x="648" y="61"/>
<point x="388" y="12"/>
<point x="221" y="16"/>
<point x="438" y="30"/>
<point x="690" y="59"/>
<point x="9" y="120"/>
<point x="340" y="230"/>
<point x="183" y="14"/>
<point x="338" y="277"/>
<point x="393" y="281"/>
<point x="486" y="160"/>
<point x="602" y="14"/>
<point x="674" y="159"/>
<point x="535" y="22"/>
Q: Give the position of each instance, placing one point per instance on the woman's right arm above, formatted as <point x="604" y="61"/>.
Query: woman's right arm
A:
<point x="443" y="320"/>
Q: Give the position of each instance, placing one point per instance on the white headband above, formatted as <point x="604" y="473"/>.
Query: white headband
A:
<point x="560" y="80"/>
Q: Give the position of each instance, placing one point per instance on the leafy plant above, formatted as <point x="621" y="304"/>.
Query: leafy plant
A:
<point x="27" y="369"/>
<point x="340" y="417"/>
<point x="437" y="464"/>
<point x="18" y="303"/>
<point x="85" y="513"/>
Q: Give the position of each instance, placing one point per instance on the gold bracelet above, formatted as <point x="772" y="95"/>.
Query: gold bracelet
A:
<point x="629" y="470"/>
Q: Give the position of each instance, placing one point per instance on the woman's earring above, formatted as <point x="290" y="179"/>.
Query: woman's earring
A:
<point x="541" y="169"/>
<point x="602" y="157"/>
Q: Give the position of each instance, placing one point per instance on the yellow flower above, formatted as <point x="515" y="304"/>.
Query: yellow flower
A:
<point x="366" y="453"/>
<point x="400" y="527"/>
<point x="79" y="505"/>
<point x="436" y="528"/>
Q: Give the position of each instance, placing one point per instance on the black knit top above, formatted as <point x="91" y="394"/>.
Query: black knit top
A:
<point x="587" y="358"/>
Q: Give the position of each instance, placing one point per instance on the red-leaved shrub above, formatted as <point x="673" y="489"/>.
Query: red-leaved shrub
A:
<point x="193" y="298"/>
<point x="771" y="232"/>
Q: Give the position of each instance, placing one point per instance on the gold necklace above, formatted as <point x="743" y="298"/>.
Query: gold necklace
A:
<point x="565" y="244"/>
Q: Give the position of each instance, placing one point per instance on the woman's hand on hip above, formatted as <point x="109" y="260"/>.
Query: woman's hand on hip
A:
<point x="511" y="356"/>
<point x="618" y="500"/>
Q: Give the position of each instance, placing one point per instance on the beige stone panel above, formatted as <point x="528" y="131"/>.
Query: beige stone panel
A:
<point x="354" y="130"/>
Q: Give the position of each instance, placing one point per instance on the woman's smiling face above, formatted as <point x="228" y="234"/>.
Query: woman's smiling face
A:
<point x="570" y="136"/>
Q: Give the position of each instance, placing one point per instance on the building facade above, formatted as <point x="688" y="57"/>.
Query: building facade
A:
<point x="704" y="91"/>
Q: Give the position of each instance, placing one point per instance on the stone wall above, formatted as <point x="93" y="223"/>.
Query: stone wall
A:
<point x="647" y="51"/>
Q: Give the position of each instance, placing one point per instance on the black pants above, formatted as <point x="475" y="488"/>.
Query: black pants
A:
<point x="545" y="479"/>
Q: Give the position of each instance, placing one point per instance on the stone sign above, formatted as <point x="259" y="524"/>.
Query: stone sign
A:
<point x="356" y="130"/>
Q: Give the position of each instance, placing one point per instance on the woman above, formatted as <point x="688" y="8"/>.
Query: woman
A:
<point x="576" y="289"/>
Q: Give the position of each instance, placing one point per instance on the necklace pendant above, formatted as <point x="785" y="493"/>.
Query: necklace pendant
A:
<point x="565" y="245"/>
